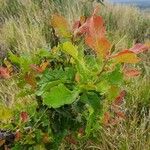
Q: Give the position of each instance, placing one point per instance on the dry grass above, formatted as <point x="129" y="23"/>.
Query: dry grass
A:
<point x="26" y="23"/>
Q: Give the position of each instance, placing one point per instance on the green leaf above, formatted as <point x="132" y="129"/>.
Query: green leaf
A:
<point x="92" y="63"/>
<point x="15" y="59"/>
<point x="59" y="96"/>
<point x="113" y="93"/>
<point x="90" y="121"/>
<point x="43" y="53"/>
<point x="62" y="74"/>
<point x="115" y="77"/>
<point x="72" y="50"/>
<point x="92" y="99"/>
<point x="103" y="86"/>
<point x="24" y="61"/>
<point x="47" y="86"/>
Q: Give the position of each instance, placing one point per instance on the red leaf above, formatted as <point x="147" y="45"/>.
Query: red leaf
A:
<point x="132" y="72"/>
<point x="139" y="48"/>
<point x="82" y="29"/>
<point x="95" y="37"/>
<point x="78" y="24"/>
<point x="100" y="45"/>
<point x="82" y="26"/>
<point x="96" y="26"/>
<point x="4" y="73"/>
<point x="90" y="42"/>
<point x="24" y="117"/>
<point x="18" y="136"/>
<point x="119" y="99"/>
<point x="95" y="33"/>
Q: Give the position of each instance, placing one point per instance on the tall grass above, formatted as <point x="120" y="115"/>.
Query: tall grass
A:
<point x="26" y="23"/>
<point x="25" y="27"/>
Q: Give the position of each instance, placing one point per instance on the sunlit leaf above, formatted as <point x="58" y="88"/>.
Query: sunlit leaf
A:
<point x="126" y="56"/>
<point x="103" y="86"/>
<point x="99" y="45"/>
<point x="76" y="25"/>
<point x="61" y="25"/>
<point x="82" y="28"/>
<point x="69" y="48"/>
<point x="5" y="113"/>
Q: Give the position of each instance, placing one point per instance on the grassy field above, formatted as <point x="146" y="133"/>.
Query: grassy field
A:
<point x="24" y="27"/>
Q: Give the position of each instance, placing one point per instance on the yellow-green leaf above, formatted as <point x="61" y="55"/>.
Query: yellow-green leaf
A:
<point x="59" y="96"/>
<point x="126" y="56"/>
<point x="103" y="87"/>
<point x="72" y="50"/>
<point x="61" y="25"/>
<point x="5" y="113"/>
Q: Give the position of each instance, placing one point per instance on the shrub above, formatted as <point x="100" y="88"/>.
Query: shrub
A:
<point x="74" y="83"/>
